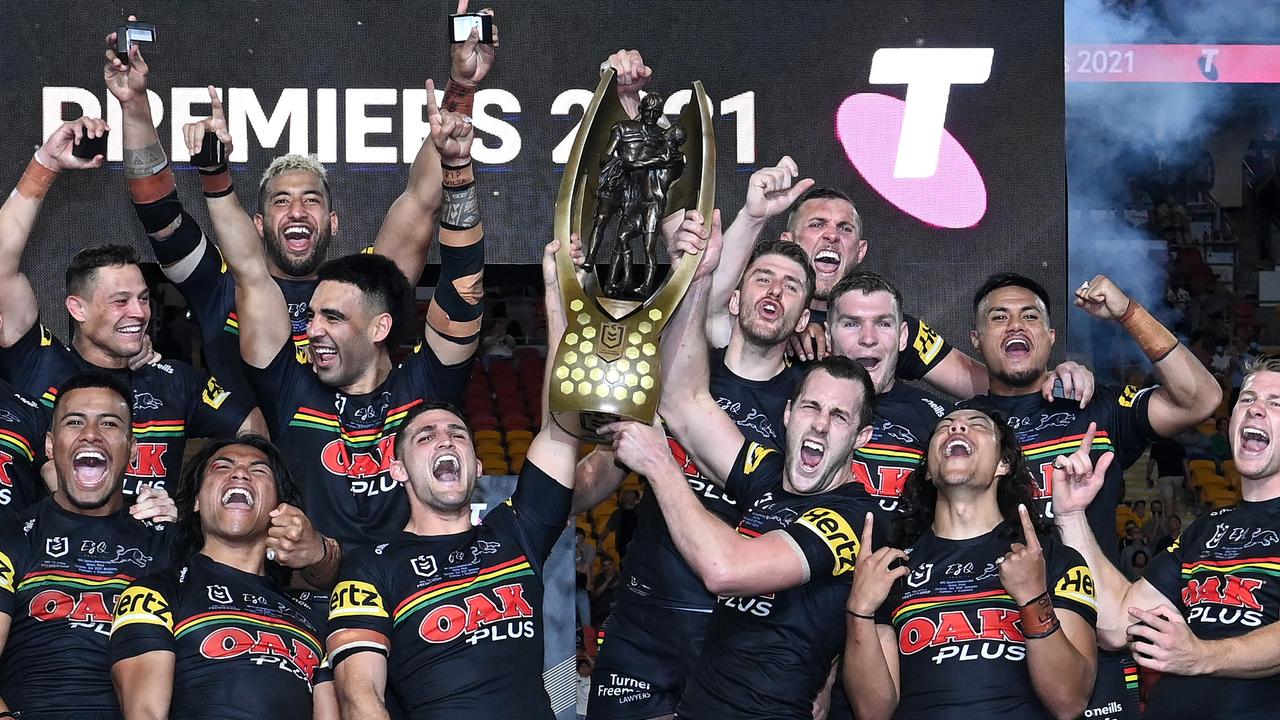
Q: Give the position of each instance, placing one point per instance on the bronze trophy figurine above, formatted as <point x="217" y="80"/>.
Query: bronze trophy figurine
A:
<point x="623" y="178"/>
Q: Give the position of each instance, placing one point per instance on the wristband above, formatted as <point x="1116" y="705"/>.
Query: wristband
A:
<point x="215" y="181"/>
<point x="459" y="97"/>
<point x="150" y="188"/>
<point x="1155" y="339"/>
<point x="860" y="615"/>
<point x="456" y="177"/>
<point x="35" y="183"/>
<point x="1038" y="618"/>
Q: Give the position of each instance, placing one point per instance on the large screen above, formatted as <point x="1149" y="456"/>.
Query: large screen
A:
<point x="943" y="122"/>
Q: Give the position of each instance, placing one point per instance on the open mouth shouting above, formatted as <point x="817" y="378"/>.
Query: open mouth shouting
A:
<point x="1017" y="347"/>
<point x="447" y="468"/>
<point x="811" y="454"/>
<point x="827" y="262"/>
<point x="957" y="447"/>
<point x="323" y="356"/>
<point x="769" y="309"/>
<point x="238" y="498"/>
<point x="89" y="467"/>
<point x="297" y="238"/>
<point x="1253" y="441"/>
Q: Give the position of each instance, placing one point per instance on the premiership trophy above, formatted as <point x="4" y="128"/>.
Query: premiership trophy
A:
<point x="623" y="178"/>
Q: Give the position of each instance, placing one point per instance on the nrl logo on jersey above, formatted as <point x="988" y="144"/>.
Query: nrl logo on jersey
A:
<point x="56" y="547"/>
<point x="424" y="565"/>
<point x="219" y="594"/>
<point x="920" y="575"/>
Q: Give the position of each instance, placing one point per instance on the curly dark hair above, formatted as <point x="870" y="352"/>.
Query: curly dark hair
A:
<point x="920" y="496"/>
<point x="190" y="538"/>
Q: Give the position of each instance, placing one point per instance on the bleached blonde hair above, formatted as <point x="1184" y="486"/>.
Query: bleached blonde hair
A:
<point x="286" y="163"/>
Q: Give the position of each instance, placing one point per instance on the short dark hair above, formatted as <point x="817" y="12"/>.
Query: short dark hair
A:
<point x="423" y="407"/>
<point x="790" y="251"/>
<point x="190" y="533"/>
<point x="85" y="264"/>
<point x="866" y="282"/>
<point x="1003" y="280"/>
<point x="382" y="284"/>
<point x="822" y="193"/>
<point x="843" y="368"/>
<point x="95" y="379"/>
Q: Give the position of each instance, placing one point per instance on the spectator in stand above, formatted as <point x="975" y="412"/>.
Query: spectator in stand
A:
<point x="1174" y="526"/>
<point x="1140" y="509"/>
<point x="1157" y="525"/>
<point x="1137" y="565"/>
<point x="1168" y="460"/>
<point x="584" y="685"/>
<point x="1219" y="445"/>
<point x="602" y="587"/>
<point x="623" y="522"/>
<point x="1220" y="363"/>
<point x="1133" y="544"/>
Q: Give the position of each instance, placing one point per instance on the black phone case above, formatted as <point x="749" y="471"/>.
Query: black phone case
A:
<point x="212" y="152"/>
<point x="89" y="147"/>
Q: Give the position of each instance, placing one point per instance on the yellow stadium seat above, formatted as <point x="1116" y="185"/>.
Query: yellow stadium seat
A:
<point x="496" y="467"/>
<point x="1209" y="465"/>
<point x="488" y="435"/>
<point x="516" y="435"/>
<point x="518" y="447"/>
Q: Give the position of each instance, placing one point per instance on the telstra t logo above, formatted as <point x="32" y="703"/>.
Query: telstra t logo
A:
<point x="926" y="173"/>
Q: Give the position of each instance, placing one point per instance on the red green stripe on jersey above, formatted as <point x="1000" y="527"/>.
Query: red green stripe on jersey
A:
<point x="319" y="420"/>
<point x="1261" y="566"/>
<point x="232" y="324"/>
<point x="886" y="452"/>
<point x="222" y="618"/>
<point x="919" y="605"/>
<point x="49" y="397"/>
<point x="1066" y="446"/>
<point x="79" y="581"/>
<point x="159" y="429"/>
<point x="519" y="567"/>
<point x="16" y="442"/>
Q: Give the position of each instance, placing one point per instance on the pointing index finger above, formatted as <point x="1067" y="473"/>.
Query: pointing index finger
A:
<point x="1028" y="530"/>
<point x="215" y="105"/>
<point x="1086" y="445"/>
<point x="433" y="109"/>
<point x="866" y="535"/>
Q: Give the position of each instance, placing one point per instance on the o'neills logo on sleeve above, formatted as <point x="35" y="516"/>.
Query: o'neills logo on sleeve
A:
<point x="836" y="533"/>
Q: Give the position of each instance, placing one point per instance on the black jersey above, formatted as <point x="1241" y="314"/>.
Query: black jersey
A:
<point x="243" y="649"/>
<point x="926" y="349"/>
<point x="23" y="423"/>
<point x="460" y="616"/>
<point x="210" y="291"/>
<point x="60" y="576"/>
<point x="1221" y="574"/>
<point x="961" y="652"/>
<point x="768" y="656"/>
<point x="171" y="402"/>
<point x="342" y="445"/>
<point x="904" y="420"/>
<point x="653" y="571"/>
<point x="1049" y="429"/>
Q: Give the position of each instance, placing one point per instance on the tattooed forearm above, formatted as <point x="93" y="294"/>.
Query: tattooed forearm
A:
<point x="144" y="162"/>
<point x="461" y="208"/>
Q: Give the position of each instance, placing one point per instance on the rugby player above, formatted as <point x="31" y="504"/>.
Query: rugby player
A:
<point x="1204" y="613"/>
<point x="65" y="560"/>
<point x="335" y="418"/>
<point x="448" y="615"/>
<point x="109" y="304"/>
<point x="218" y="636"/>
<point x="1014" y="335"/>
<point x="296" y="218"/>
<point x="783" y="575"/>
<point x="653" y="636"/>
<point x="956" y="618"/>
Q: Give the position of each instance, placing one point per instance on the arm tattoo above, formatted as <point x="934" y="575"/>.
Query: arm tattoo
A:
<point x="144" y="162"/>
<point x="461" y="208"/>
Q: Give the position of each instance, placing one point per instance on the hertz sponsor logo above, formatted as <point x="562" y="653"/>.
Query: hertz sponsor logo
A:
<point x="355" y="597"/>
<point x="836" y="533"/>
<point x="1077" y="584"/>
<point x="6" y="573"/>
<point x="927" y="343"/>
<point x="142" y="605"/>
<point x="1127" y="396"/>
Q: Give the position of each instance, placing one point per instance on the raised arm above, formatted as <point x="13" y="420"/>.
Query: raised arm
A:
<point x="726" y="562"/>
<point x="770" y="191"/>
<point x="1076" y="483"/>
<point x="554" y="450"/>
<point x="18" y="306"/>
<point x="687" y="406"/>
<point x="1188" y="393"/>
<point x="406" y="233"/>
<point x="456" y="311"/>
<point x="871" y="675"/>
<point x="597" y="477"/>
<point x="361" y="684"/>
